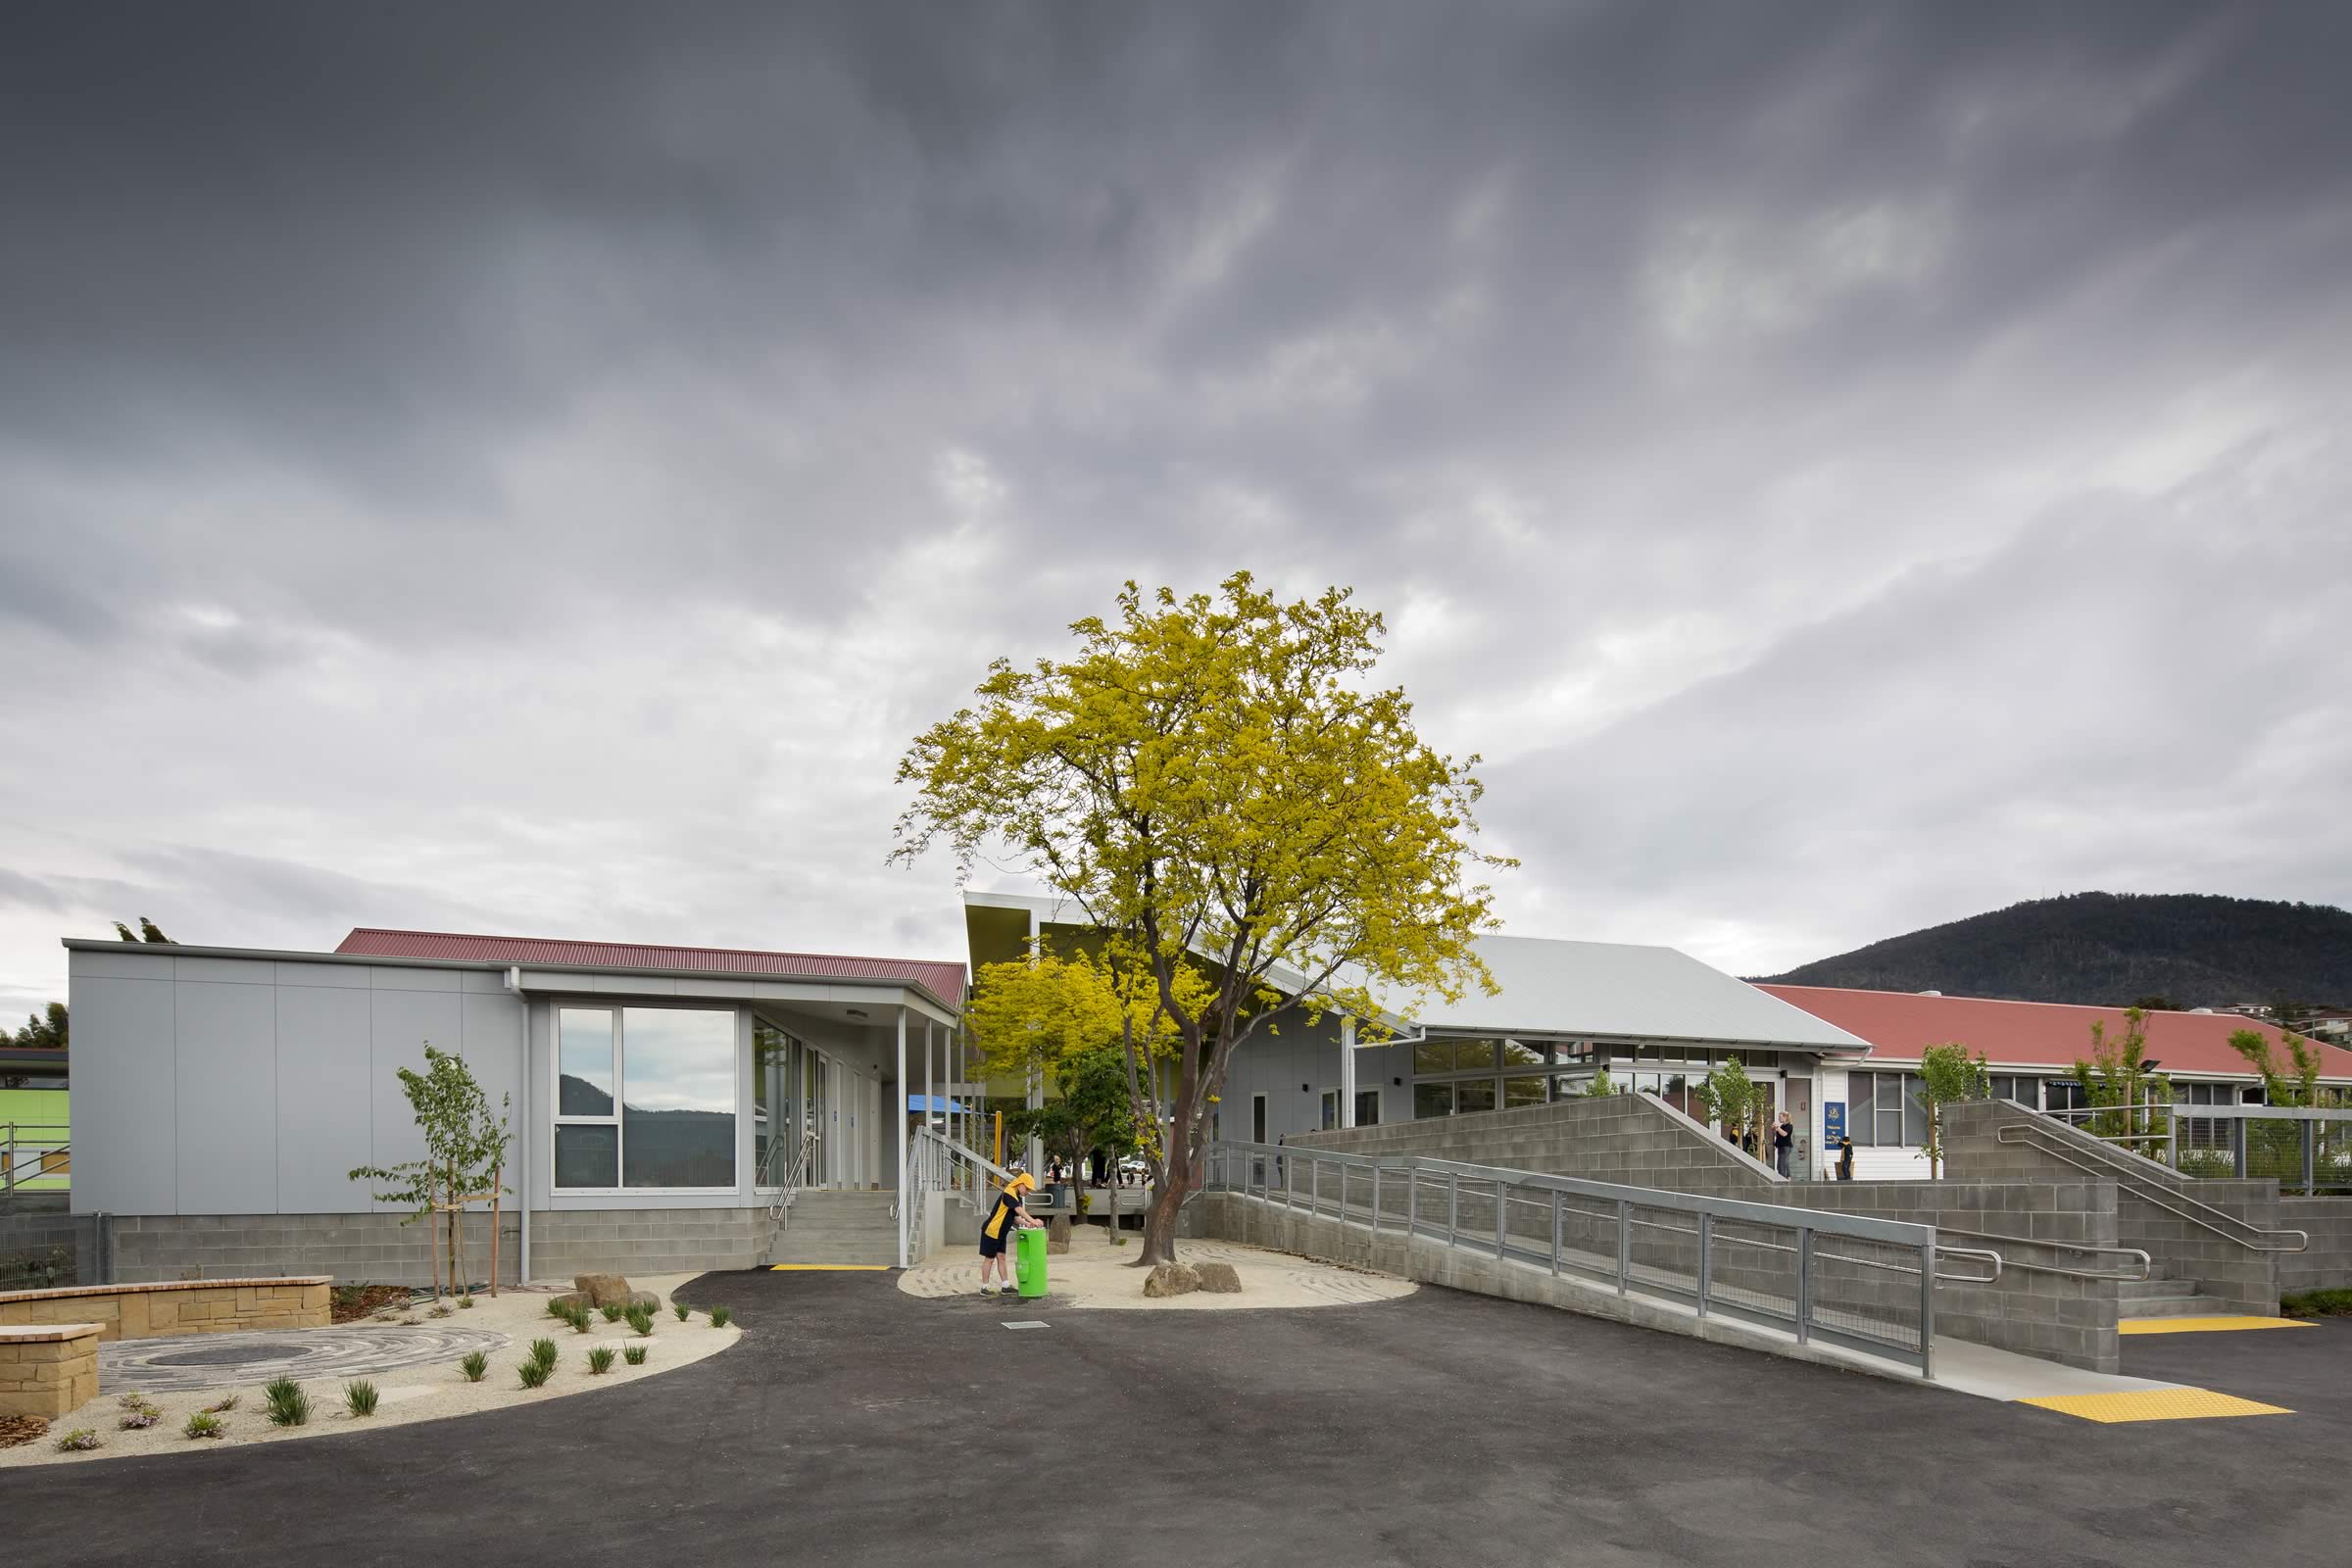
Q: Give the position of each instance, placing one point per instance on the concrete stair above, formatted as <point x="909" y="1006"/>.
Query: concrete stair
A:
<point x="837" y="1228"/>
<point x="2168" y="1298"/>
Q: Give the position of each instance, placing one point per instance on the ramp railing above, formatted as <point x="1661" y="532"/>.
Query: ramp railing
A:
<point x="1853" y="1280"/>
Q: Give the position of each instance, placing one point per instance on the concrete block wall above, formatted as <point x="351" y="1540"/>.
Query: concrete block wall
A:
<point x="2327" y="1263"/>
<point x="648" y="1241"/>
<point x="2181" y="1247"/>
<point x="352" y="1248"/>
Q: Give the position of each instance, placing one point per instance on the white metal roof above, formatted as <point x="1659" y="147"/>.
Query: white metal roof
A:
<point x="1607" y="989"/>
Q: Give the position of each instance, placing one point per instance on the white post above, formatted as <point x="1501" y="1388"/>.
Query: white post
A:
<point x="1348" y="1071"/>
<point x="1034" y="1153"/>
<point x="930" y="1095"/>
<point x="902" y="1188"/>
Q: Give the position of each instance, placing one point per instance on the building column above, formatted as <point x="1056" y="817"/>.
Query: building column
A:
<point x="1034" y="1153"/>
<point x="1348" y="1070"/>
<point x="903" y="1183"/>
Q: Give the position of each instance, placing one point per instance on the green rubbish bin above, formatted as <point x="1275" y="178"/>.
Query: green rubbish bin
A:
<point x="1029" y="1262"/>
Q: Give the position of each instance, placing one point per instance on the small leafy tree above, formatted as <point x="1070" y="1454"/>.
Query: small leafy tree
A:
<point x="1599" y="1085"/>
<point x="464" y="1149"/>
<point x="1730" y="1097"/>
<point x="1948" y="1074"/>
<point x="2116" y="1080"/>
<point x="2277" y="1146"/>
<point x="1091" y="1109"/>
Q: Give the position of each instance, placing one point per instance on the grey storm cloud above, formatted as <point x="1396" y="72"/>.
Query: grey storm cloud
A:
<point x="1843" y="465"/>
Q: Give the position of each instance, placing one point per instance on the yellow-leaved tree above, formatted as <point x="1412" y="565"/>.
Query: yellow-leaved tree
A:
<point x="1215" y="783"/>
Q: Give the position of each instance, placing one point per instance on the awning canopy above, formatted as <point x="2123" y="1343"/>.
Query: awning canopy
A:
<point x="926" y="1104"/>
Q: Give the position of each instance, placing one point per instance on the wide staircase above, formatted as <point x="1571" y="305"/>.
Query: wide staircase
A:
<point x="826" y="1227"/>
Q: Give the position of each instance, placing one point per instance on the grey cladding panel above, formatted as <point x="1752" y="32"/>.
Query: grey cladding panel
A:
<point x="400" y="1024"/>
<point x="228" y="1124"/>
<point x="493" y="1051"/>
<point x="323" y="1123"/>
<point x="124" y="1098"/>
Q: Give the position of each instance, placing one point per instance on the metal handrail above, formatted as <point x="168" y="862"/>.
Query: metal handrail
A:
<point x="16" y="1144"/>
<point x="1268" y="1172"/>
<point x="2147" y="1263"/>
<point x="2114" y="1169"/>
<point x="790" y="1188"/>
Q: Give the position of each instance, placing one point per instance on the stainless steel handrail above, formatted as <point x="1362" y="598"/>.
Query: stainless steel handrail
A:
<point x="790" y="1188"/>
<point x="2147" y="1263"/>
<point x="2119" y="1172"/>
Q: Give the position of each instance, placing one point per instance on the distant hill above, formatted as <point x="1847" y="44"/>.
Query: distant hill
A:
<point x="2193" y="949"/>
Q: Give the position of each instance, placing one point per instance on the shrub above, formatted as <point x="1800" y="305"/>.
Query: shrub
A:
<point x="221" y="1405"/>
<point x="475" y="1365"/>
<point x="289" y="1405"/>
<point x="612" y="1313"/>
<point x="599" y="1360"/>
<point x="80" y="1441"/>
<point x="359" y="1396"/>
<point x="682" y="1309"/>
<point x="442" y="1309"/>
<point x="558" y="1308"/>
<point x="578" y="1318"/>
<point x="2316" y="1304"/>
<point x="466" y="1300"/>
<point x="720" y="1317"/>
<point x="411" y="1321"/>
<point x="140" y="1416"/>
<point x="634" y="1354"/>
<point x="535" y="1373"/>
<point x="544" y="1351"/>
<point x="641" y="1318"/>
<point x="204" y="1424"/>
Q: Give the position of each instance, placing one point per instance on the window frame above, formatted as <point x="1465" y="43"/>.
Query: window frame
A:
<point x="617" y="1009"/>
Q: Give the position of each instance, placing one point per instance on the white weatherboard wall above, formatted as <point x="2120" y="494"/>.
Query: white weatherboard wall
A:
<point x="234" y="1086"/>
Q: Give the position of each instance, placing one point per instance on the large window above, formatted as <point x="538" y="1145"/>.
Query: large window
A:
<point x="645" y="1097"/>
<point x="1883" y="1109"/>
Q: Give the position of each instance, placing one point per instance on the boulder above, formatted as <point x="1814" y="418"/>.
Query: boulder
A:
<point x="1058" y="1234"/>
<point x="602" y="1290"/>
<point x="1219" y="1278"/>
<point x="645" y="1299"/>
<point x="1171" y="1279"/>
<point x="565" y="1304"/>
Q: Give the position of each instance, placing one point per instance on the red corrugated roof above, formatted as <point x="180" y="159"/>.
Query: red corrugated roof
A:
<point x="943" y="980"/>
<point x="1900" y="1024"/>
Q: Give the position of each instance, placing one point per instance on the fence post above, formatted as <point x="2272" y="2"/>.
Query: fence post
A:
<point x="1804" y="1280"/>
<point x="2237" y="1147"/>
<point x="1454" y="1204"/>
<point x="1343" y="1192"/>
<point x="1625" y="1244"/>
<point x="1376" y="1199"/>
<point x="2310" y="1171"/>
<point x="1502" y="1207"/>
<point x="1555" y="1233"/>
<point x="1706" y="1250"/>
<point x="1927" y="1307"/>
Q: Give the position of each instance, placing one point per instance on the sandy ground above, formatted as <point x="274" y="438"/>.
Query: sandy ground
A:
<point x="410" y="1393"/>
<point x="1094" y="1273"/>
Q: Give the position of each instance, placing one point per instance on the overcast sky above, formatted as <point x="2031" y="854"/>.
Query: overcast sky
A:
<point x="1846" y="467"/>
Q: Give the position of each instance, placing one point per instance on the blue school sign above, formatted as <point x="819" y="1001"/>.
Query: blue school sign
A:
<point x="1832" y="1122"/>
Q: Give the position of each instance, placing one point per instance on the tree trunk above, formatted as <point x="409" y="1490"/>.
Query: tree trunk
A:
<point x="1159" y="1225"/>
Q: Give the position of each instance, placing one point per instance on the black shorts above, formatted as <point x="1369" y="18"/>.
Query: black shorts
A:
<point x="992" y="1246"/>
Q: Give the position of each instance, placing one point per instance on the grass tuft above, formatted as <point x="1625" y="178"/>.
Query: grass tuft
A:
<point x="641" y="1318"/>
<point x="138" y="1418"/>
<point x="599" y="1360"/>
<point x="466" y="1300"/>
<point x="544" y="1351"/>
<point x="475" y="1365"/>
<point x="289" y="1405"/>
<point x="634" y="1354"/>
<point x="534" y="1373"/>
<point x="722" y="1316"/>
<point x="612" y="1311"/>
<point x="360" y="1397"/>
<point x="204" y="1424"/>
<point x="80" y="1441"/>
<point x="682" y="1309"/>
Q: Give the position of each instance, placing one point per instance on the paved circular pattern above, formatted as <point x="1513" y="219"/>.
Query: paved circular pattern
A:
<point x="228" y="1360"/>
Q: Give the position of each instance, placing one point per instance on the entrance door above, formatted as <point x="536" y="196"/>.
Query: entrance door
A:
<point x="1800" y="1116"/>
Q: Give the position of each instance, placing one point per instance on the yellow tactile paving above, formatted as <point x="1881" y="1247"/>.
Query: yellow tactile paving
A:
<point x="828" y="1268"/>
<point x="2155" y="1404"/>
<point x="2203" y="1325"/>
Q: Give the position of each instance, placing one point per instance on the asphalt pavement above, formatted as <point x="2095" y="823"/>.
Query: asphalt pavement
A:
<point x="858" y="1425"/>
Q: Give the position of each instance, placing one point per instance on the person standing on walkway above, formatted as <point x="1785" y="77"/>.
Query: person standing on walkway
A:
<point x="1846" y="1158"/>
<point x="1784" y="1135"/>
<point x="995" y="1231"/>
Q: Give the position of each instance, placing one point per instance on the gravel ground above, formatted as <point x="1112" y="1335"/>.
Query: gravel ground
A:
<point x="1094" y="1273"/>
<point x="410" y="1394"/>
